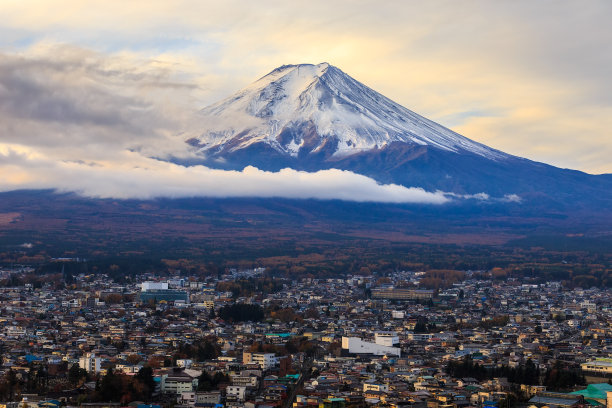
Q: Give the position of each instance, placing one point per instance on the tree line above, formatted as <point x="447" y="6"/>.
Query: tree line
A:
<point x="556" y="378"/>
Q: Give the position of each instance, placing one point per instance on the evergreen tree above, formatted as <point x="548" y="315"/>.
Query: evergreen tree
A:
<point x="110" y="387"/>
<point x="205" y="382"/>
<point x="76" y="373"/>
<point x="145" y="376"/>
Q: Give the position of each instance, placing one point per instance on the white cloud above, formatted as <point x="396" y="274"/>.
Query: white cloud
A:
<point x="512" y="198"/>
<point x="145" y="178"/>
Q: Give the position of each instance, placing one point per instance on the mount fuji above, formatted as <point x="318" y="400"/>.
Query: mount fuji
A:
<point x="345" y="117"/>
<point x="313" y="117"/>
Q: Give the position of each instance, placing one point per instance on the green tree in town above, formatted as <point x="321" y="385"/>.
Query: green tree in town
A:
<point x="145" y="377"/>
<point x="76" y="373"/>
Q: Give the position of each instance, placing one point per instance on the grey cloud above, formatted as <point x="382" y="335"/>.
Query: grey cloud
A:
<point x="33" y="99"/>
<point x="74" y="98"/>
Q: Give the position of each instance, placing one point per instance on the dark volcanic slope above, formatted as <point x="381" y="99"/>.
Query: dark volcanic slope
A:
<point x="61" y="224"/>
<point x="537" y="184"/>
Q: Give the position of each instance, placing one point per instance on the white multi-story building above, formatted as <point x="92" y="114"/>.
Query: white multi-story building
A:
<point x="264" y="360"/>
<point x="419" y="336"/>
<point x="177" y="384"/>
<point x="176" y="283"/>
<point x="187" y="398"/>
<point x="210" y="397"/>
<point x="386" y="338"/>
<point x="147" y="286"/>
<point x="244" y="380"/>
<point x="235" y="392"/>
<point x="90" y="363"/>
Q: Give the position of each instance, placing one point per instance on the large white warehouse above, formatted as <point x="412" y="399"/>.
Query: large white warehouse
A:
<point x="354" y="345"/>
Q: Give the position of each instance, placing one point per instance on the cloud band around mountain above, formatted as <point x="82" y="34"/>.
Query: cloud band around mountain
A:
<point x="151" y="178"/>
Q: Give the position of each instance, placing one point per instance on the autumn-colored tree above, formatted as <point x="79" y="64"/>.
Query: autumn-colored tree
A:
<point x="156" y="361"/>
<point x="285" y="315"/>
<point x="134" y="359"/>
<point x="311" y="313"/>
<point x="114" y="298"/>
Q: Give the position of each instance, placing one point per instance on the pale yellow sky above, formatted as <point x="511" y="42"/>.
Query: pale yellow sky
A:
<point x="532" y="79"/>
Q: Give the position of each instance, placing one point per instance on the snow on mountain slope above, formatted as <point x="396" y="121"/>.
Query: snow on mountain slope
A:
<point x="346" y="114"/>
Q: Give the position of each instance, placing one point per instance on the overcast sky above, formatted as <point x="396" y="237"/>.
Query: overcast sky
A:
<point x="91" y="83"/>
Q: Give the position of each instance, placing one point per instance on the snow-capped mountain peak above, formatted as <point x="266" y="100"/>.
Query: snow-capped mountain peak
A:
<point x="305" y="109"/>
